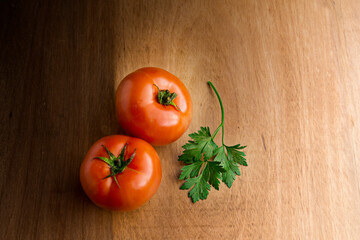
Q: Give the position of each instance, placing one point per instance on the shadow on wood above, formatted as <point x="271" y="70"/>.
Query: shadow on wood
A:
<point x="57" y="63"/>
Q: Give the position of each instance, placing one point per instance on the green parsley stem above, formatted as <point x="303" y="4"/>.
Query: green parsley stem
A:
<point x="222" y="114"/>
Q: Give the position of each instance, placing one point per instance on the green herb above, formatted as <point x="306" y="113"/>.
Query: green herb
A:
<point x="208" y="163"/>
<point x="117" y="164"/>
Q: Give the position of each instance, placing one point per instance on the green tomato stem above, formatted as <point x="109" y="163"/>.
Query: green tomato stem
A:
<point x="117" y="164"/>
<point x="166" y="98"/>
<point x="222" y="114"/>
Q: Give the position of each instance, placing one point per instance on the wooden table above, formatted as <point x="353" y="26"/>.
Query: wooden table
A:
<point x="289" y="76"/>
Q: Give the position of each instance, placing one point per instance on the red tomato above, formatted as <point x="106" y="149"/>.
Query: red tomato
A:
<point x="127" y="188"/>
<point x="145" y="109"/>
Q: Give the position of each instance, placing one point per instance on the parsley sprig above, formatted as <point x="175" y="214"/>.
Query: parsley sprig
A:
<point x="207" y="163"/>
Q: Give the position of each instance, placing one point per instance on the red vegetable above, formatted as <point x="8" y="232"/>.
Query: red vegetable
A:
<point x="120" y="172"/>
<point x="154" y="105"/>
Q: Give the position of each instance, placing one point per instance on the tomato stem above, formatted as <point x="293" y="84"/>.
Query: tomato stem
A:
<point x="166" y="98"/>
<point x="117" y="164"/>
<point x="222" y="115"/>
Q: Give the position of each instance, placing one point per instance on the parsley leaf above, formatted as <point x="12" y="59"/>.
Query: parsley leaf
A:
<point x="230" y="168"/>
<point x="214" y="174"/>
<point x="230" y="161"/>
<point x="191" y="170"/>
<point x="208" y="163"/>
<point x="201" y="146"/>
<point x="200" y="186"/>
<point x="236" y="155"/>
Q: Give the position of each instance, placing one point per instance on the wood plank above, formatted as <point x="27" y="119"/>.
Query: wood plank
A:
<point x="289" y="76"/>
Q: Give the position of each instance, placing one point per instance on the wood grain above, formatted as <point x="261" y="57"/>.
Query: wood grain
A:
<point x="289" y="76"/>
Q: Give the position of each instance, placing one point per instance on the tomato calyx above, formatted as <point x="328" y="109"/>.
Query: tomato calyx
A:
<point x="166" y="98"/>
<point x="117" y="164"/>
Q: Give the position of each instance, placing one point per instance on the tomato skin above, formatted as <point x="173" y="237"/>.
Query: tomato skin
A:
<point x="139" y="113"/>
<point x="138" y="182"/>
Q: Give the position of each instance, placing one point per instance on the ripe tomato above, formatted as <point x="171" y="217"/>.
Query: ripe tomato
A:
<point x="154" y="105"/>
<point x="120" y="172"/>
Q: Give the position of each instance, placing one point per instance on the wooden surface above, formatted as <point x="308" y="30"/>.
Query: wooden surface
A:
<point x="289" y="76"/>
